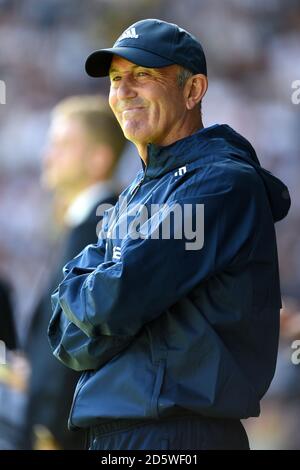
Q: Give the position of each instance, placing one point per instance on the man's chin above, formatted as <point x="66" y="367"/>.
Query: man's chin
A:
<point x="134" y="135"/>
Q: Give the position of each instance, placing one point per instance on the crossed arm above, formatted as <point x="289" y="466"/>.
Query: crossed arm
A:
<point x="100" y="307"/>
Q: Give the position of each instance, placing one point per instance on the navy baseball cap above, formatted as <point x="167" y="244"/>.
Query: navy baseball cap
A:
<point x="151" y="43"/>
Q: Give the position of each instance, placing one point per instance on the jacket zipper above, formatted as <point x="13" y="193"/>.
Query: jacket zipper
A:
<point x="133" y="193"/>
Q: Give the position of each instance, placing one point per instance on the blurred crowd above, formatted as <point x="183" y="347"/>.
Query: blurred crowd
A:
<point x="253" y="51"/>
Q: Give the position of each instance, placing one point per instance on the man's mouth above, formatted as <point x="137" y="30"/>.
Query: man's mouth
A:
<point x="128" y="113"/>
<point x="133" y="108"/>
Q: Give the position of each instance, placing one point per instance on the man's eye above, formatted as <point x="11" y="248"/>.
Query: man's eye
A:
<point x="142" y="74"/>
<point x="115" y="78"/>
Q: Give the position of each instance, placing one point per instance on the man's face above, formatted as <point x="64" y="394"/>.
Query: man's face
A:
<point x="147" y="102"/>
<point x="66" y="154"/>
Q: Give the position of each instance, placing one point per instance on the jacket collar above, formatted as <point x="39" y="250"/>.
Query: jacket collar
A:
<point x="164" y="159"/>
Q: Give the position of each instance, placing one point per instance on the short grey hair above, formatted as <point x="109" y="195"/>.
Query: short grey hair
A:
<point x="183" y="76"/>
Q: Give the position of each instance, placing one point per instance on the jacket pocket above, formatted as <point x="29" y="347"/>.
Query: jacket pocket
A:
<point x="82" y="380"/>
<point x="154" y="411"/>
<point x="159" y="353"/>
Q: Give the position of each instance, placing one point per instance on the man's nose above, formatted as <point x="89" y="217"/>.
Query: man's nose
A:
<point x="126" y="89"/>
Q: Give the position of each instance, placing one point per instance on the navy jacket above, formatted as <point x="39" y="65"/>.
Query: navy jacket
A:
<point x="159" y="329"/>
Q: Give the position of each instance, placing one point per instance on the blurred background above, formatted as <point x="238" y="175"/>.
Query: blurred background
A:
<point x="253" y="55"/>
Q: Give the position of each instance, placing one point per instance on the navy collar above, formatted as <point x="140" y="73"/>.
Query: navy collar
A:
<point x="164" y="159"/>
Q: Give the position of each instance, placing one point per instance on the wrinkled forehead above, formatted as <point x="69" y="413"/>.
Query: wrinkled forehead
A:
<point x="119" y="64"/>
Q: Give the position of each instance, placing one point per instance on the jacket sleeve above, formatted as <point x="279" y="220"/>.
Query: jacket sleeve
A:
<point x="74" y="348"/>
<point x="118" y="298"/>
<point x="70" y="345"/>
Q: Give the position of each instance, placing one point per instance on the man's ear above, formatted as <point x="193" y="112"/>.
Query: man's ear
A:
<point x="195" y="89"/>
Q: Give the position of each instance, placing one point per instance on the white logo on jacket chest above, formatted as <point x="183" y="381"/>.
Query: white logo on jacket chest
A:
<point x="116" y="253"/>
<point x="181" y="171"/>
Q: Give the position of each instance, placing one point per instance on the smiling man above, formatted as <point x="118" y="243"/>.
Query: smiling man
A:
<point x="176" y="344"/>
<point x="150" y="104"/>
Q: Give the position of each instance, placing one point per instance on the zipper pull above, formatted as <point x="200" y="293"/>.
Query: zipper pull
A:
<point x="136" y="187"/>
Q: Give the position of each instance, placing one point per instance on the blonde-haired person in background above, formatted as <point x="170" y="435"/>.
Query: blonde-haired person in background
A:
<point x="84" y="146"/>
<point x="83" y="150"/>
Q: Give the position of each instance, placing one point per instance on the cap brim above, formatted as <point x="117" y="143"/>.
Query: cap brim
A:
<point x="98" y="63"/>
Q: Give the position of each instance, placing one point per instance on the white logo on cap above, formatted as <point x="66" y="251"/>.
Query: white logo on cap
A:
<point x="129" y="33"/>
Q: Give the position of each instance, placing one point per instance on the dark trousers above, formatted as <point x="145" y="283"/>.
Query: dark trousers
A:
<point x="178" y="433"/>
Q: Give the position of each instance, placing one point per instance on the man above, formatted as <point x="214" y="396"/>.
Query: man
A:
<point x="85" y="144"/>
<point x="176" y="339"/>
